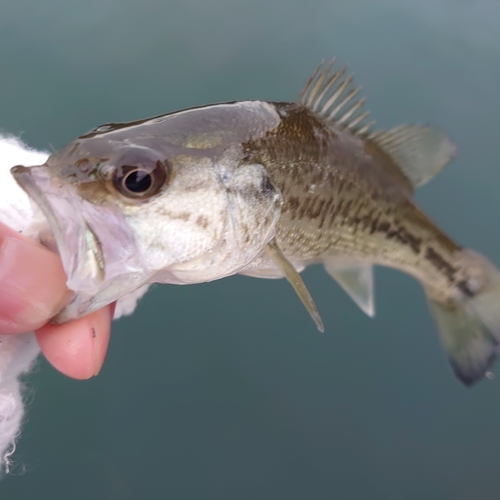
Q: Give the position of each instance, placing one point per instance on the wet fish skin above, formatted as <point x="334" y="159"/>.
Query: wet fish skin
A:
<point x="342" y="195"/>
<point x="264" y="189"/>
<point x="213" y="215"/>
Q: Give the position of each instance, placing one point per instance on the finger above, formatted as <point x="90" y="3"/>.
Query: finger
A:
<point x="78" y="349"/>
<point x="32" y="283"/>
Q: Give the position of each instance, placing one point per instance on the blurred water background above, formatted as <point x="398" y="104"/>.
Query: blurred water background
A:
<point x="226" y="390"/>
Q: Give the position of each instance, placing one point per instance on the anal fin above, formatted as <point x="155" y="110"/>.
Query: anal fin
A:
<point x="295" y="280"/>
<point x="356" y="278"/>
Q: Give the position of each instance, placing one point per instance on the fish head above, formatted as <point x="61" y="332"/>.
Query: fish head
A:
<point x="123" y="214"/>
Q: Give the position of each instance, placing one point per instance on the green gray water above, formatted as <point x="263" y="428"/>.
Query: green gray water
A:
<point x="226" y="390"/>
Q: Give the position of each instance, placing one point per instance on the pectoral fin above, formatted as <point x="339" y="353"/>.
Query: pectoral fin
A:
<point x="356" y="278"/>
<point x="295" y="280"/>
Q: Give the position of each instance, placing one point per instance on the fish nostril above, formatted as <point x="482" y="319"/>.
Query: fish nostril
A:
<point x="84" y="165"/>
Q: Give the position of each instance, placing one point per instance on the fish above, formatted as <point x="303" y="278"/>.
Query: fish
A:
<point x="264" y="189"/>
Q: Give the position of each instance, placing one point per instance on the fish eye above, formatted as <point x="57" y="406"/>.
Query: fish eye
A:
<point x="142" y="180"/>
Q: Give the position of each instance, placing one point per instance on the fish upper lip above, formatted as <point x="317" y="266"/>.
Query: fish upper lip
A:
<point x="96" y="246"/>
<point x="73" y="236"/>
<point x="77" y="245"/>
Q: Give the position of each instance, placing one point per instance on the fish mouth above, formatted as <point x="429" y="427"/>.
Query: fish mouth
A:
<point x="96" y="246"/>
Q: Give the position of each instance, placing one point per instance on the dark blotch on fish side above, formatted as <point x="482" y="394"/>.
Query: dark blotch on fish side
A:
<point x="202" y="221"/>
<point x="384" y="226"/>
<point x="335" y="210"/>
<point x="292" y="206"/>
<point x="374" y="224"/>
<point x="325" y="210"/>
<point x="440" y="263"/>
<point x="345" y="211"/>
<point x="464" y="287"/>
<point x="403" y="236"/>
<point x="397" y="232"/>
<point x="315" y="208"/>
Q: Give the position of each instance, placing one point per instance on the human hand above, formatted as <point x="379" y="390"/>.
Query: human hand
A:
<point x="32" y="290"/>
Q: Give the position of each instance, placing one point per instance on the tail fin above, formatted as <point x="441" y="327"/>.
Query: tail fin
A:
<point x="469" y="326"/>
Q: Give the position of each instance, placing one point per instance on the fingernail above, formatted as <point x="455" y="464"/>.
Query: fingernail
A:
<point x="32" y="283"/>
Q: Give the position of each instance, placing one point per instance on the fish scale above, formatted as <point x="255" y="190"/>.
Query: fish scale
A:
<point x="370" y="217"/>
<point x="264" y="189"/>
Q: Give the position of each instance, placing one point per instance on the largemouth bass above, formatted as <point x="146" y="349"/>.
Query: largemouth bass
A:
<point x="263" y="189"/>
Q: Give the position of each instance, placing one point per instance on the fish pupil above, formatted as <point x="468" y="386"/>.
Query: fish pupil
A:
<point x="138" y="181"/>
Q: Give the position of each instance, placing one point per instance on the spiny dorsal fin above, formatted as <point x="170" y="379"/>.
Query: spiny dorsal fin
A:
<point x="330" y="95"/>
<point x="419" y="151"/>
<point x="293" y="277"/>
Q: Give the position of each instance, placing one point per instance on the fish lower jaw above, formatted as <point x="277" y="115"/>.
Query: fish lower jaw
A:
<point x="202" y="269"/>
<point x="187" y="276"/>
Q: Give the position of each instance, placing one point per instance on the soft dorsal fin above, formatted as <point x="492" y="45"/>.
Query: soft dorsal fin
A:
<point x="419" y="151"/>
<point x="330" y="95"/>
<point x="293" y="277"/>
